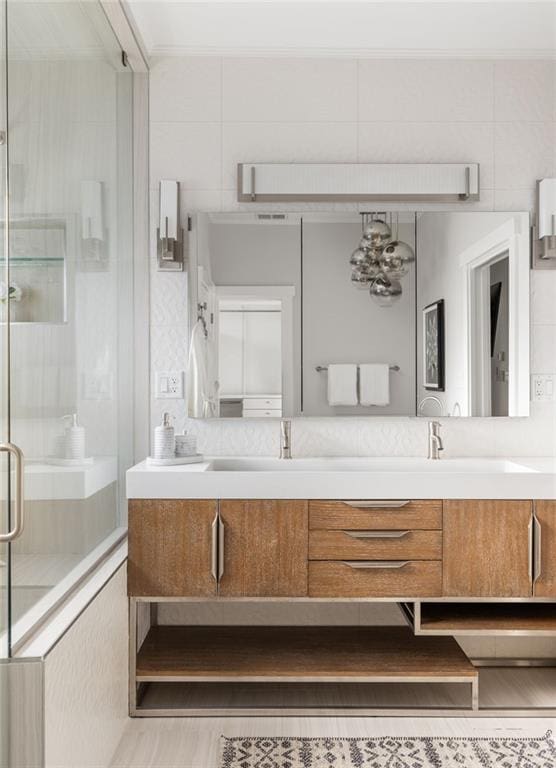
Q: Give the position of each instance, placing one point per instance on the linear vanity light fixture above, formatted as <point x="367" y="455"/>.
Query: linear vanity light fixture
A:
<point x="395" y="182"/>
<point x="544" y="233"/>
<point x="169" y="234"/>
<point x="322" y="368"/>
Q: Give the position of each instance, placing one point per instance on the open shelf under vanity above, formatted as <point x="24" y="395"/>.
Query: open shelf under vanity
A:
<point x="466" y="618"/>
<point x="323" y="657"/>
<point x="419" y="669"/>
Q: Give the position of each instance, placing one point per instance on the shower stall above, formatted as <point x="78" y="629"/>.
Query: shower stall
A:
<point x="66" y="304"/>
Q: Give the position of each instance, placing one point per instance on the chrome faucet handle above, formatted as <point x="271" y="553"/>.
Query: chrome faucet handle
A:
<point x="435" y="441"/>
<point x="285" y="439"/>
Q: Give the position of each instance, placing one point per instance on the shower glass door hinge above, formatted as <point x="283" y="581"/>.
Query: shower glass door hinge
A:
<point x="125" y="60"/>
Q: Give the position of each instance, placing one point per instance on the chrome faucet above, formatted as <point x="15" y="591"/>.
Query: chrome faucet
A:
<point x="430" y="399"/>
<point x="435" y="441"/>
<point x="285" y="439"/>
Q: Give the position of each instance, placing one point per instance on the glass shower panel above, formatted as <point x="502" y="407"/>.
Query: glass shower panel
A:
<point x="70" y="192"/>
<point x="4" y="424"/>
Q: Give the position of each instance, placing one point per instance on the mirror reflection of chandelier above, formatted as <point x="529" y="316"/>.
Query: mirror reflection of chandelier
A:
<point x="381" y="259"/>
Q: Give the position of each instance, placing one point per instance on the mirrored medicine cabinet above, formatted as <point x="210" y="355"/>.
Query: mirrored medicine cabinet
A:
<point x="289" y="318"/>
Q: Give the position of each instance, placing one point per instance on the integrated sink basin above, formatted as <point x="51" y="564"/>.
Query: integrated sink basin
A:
<point x="338" y="464"/>
<point x="253" y="477"/>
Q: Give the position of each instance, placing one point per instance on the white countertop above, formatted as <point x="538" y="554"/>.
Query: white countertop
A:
<point x="51" y="482"/>
<point x="345" y="478"/>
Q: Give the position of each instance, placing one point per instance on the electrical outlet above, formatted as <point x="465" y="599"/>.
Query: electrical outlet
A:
<point x="169" y="385"/>
<point x="542" y="385"/>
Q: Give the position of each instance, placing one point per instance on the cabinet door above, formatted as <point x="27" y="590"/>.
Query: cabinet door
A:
<point x="487" y="548"/>
<point x="265" y="548"/>
<point x="545" y="557"/>
<point x="170" y="548"/>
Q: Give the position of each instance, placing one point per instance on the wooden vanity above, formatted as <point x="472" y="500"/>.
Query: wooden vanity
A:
<point x="453" y="566"/>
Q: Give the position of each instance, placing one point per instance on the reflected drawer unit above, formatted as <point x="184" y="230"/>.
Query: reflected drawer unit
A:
<point x="254" y="407"/>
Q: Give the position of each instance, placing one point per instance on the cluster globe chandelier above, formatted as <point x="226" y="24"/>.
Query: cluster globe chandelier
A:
<point x="380" y="260"/>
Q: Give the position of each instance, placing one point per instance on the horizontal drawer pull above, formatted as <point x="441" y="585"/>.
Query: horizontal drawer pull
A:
<point x="369" y="564"/>
<point x="377" y="534"/>
<point x="376" y="504"/>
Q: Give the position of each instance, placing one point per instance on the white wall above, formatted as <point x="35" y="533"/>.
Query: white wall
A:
<point x="342" y="324"/>
<point x="209" y="113"/>
<point x="443" y="238"/>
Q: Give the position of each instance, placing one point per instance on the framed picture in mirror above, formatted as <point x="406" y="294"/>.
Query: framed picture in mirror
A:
<point x="433" y="346"/>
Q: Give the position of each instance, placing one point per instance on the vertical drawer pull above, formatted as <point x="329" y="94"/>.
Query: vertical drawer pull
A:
<point x="221" y="544"/>
<point x="377" y="534"/>
<point x="214" y="548"/>
<point x="377" y="504"/>
<point x="369" y="564"/>
<point x="530" y="541"/>
<point x="537" y="544"/>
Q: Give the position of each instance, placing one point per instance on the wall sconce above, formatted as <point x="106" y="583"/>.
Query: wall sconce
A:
<point x="169" y="234"/>
<point x="544" y="234"/>
<point x="93" y="235"/>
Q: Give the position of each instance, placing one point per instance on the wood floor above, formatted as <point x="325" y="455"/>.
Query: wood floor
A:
<point x="195" y="742"/>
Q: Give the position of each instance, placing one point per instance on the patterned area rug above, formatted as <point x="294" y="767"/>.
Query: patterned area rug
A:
<point x="388" y="752"/>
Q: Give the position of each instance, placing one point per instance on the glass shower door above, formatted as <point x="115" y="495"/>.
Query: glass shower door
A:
<point x="4" y="432"/>
<point x="69" y="117"/>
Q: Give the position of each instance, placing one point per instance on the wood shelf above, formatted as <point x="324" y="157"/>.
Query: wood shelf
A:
<point x="495" y="618"/>
<point x="307" y="654"/>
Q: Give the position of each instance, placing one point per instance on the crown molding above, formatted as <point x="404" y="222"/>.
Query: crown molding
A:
<point x="353" y="53"/>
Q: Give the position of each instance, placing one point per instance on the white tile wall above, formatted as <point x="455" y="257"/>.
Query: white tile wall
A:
<point x="207" y="114"/>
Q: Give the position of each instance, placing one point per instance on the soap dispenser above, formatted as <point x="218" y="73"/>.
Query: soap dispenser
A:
<point x="164" y="440"/>
<point x="74" y="439"/>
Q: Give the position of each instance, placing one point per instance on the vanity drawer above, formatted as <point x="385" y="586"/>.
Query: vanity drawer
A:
<point x="375" y="545"/>
<point x="370" y="515"/>
<point x="259" y="413"/>
<point x="262" y="403"/>
<point x="375" y="579"/>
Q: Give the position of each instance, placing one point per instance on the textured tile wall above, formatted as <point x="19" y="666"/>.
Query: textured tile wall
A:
<point x="208" y="113"/>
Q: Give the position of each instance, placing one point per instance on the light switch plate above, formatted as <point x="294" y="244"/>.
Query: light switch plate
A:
<point x="542" y="387"/>
<point x="169" y="385"/>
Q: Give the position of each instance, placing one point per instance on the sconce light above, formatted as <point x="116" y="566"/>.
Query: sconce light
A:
<point x="169" y="234"/>
<point x="92" y="222"/>
<point x="544" y="238"/>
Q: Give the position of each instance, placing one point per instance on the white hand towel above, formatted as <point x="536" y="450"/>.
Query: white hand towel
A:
<point x="342" y="384"/>
<point x="374" y="384"/>
<point x="197" y="375"/>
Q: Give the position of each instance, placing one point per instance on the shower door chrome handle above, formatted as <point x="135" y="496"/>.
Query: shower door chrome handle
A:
<point x="19" y="492"/>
